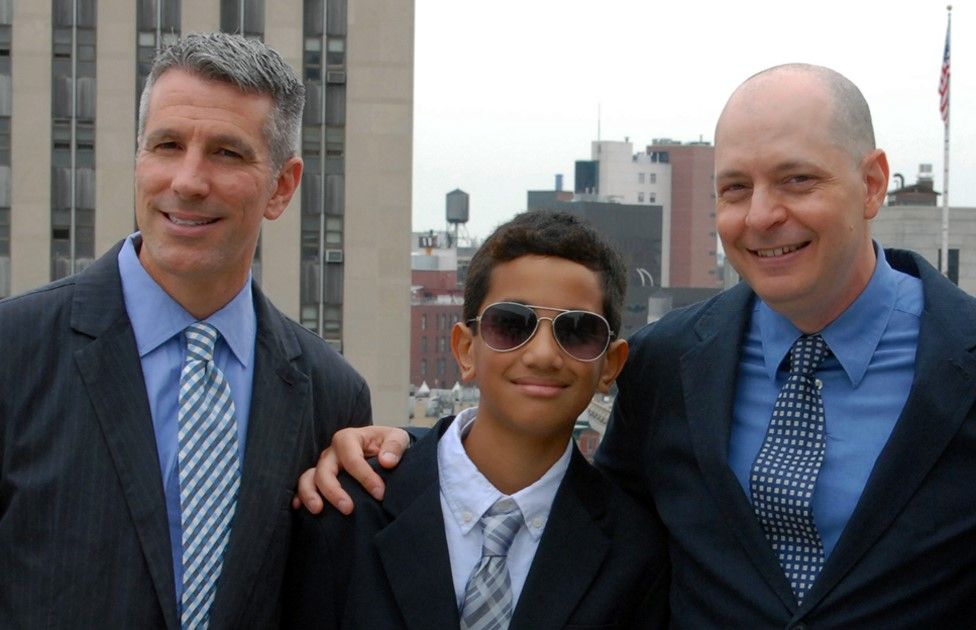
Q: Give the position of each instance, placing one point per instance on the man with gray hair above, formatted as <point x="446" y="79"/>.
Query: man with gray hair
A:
<point x="156" y="409"/>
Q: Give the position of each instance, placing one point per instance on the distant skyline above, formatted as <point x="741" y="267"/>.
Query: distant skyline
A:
<point x="507" y="92"/>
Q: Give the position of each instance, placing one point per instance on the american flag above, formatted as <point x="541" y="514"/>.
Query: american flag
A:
<point x="944" y="83"/>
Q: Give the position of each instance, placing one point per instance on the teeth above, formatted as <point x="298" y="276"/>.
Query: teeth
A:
<point x="779" y="251"/>
<point x="191" y="223"/>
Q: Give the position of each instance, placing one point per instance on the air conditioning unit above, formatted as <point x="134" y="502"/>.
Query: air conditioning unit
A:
<point x="335" y="76"/>
<point x="333" y="255"/>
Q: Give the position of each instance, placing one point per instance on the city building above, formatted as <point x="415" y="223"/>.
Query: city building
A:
<point x="693" y="242"/>
<point x="673" y="175"/>
<point x="70" y="75"/>
<point x="913" y="220"/>
<point x="436" y="301"/>
<point x="634" y="231"/>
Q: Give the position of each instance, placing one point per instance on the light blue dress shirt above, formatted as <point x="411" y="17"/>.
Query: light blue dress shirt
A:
<point x="865" y="386"/>
<point x="158" y="322"/>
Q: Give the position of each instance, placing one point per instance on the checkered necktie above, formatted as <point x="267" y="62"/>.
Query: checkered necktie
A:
<point x="488" y="595"/>
<point x="785" y="471"/>
<point x="209" y="472"/>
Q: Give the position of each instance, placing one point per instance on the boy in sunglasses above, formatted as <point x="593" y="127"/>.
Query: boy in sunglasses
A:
<point x="494" y="519"/>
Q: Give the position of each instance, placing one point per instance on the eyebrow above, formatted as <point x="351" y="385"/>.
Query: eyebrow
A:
<point x="779" y="168"/>
<point x="223" y="140"/>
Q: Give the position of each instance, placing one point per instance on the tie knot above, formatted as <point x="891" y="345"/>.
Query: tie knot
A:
<point x="500" y="524"/>
<point x="807" y="353"/>
<point x="200" y="340"/>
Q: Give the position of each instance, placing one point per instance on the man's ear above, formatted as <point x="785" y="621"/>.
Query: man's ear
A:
<point x="285" y="184"/>
<point x="462" y="347"/>
<point x="613" y="362"/>
<point x="874" y="175"/>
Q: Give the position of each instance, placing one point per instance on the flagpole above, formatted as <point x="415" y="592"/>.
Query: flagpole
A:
<point x="944" y="258"/>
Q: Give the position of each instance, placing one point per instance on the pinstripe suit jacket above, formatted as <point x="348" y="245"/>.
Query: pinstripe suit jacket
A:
<point x="83" y="531"/>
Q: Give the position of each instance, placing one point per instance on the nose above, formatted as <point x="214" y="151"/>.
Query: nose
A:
<point x="190" y="178"/>
<point x="542" y="350"/>
<point x="766" y="209"/>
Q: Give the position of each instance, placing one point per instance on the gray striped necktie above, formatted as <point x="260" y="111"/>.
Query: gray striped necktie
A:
<point x="209" y="472"/>
<point x="488" y="595"/>
<point x="786" y="469"/>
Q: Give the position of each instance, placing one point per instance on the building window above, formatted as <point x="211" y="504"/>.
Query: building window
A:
<point x="242" y="16"/>
<point x="651" y="197"/>
<point x="157" y="26"/>
<point x="640" y="178"/>
<point x="72" y="136"/>
<point x="423" y="369"/>
<point x="652" y="178"/>
<point x="323" y="150"/>
<point x="640" y="197"/>
<point x="6" y="103"/>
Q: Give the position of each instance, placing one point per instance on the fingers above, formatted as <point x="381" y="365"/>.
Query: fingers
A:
<point x="392" y="448"/>
<point x="325" y="479"/>
<point x="349" y="451"/>
<point x="350" y="455"/>
<point x="306" y="494"/>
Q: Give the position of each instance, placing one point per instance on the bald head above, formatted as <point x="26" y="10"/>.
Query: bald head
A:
<point x="850" y="127"/>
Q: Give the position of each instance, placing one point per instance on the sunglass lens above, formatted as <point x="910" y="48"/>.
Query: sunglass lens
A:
<point x="581" y="334"/>
<point x="506" y="326"/>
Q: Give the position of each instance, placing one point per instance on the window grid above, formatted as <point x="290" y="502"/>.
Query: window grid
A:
<point x="323" y="180"/>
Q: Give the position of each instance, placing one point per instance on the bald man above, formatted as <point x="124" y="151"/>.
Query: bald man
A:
<point x="807" y="437"/>
<point x="705" y="428"/>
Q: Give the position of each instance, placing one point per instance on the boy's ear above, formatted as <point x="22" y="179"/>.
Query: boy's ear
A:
<point x="462" y="347"/>
<point x="613" y="362"/>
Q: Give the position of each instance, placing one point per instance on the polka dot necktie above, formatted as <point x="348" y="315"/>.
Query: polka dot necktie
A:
<point x="209" y="472"/>
<point x="785" y="471"/>
<point x="488" y="595"/>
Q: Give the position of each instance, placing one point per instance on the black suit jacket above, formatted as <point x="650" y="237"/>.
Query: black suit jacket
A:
<point x="84" y="541"/>
<point x="907" y="557"/>
<point x="601" y="561"/>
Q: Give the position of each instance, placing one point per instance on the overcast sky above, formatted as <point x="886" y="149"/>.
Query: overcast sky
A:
<point x="507" y="91"/>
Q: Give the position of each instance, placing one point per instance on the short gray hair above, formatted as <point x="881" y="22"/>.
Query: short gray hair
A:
<point x="248" y="64"/>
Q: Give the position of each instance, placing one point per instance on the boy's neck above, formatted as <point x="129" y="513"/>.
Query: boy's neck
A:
<point x="512" y="461"/>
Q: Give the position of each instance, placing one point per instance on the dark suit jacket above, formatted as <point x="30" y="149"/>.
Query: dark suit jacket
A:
<point x="907" y="557"/>
<point x="84" y="541"/>
<point x="601" y="561"/>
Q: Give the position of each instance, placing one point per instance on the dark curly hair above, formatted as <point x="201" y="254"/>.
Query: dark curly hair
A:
<point x="548" y="234"/>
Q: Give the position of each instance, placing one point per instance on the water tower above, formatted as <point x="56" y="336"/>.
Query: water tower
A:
<point x="457" y="211"/>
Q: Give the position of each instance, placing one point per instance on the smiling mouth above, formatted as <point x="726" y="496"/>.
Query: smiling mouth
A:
<point x="778" y="251"/>
<point x="179" y="221"/>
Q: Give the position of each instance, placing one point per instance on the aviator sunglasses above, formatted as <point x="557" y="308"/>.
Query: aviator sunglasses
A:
<point x="507" y="326"/>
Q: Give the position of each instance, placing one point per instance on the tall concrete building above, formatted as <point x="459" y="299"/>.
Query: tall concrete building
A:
<point x="70" y="75"/>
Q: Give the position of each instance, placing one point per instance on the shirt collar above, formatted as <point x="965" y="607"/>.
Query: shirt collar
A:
<point x="156" y="317"/>
<point x="853" y="336"/>
<point x="469" y="494"/>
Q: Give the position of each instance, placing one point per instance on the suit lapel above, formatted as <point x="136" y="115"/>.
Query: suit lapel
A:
<point x="111" y="371"/>
<point x="708" y="375"/>
<point x="943" y="392"/>
<point x="279" y="395"/>
<point x="573" y="547"/>
<point x="413" y="548"/>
